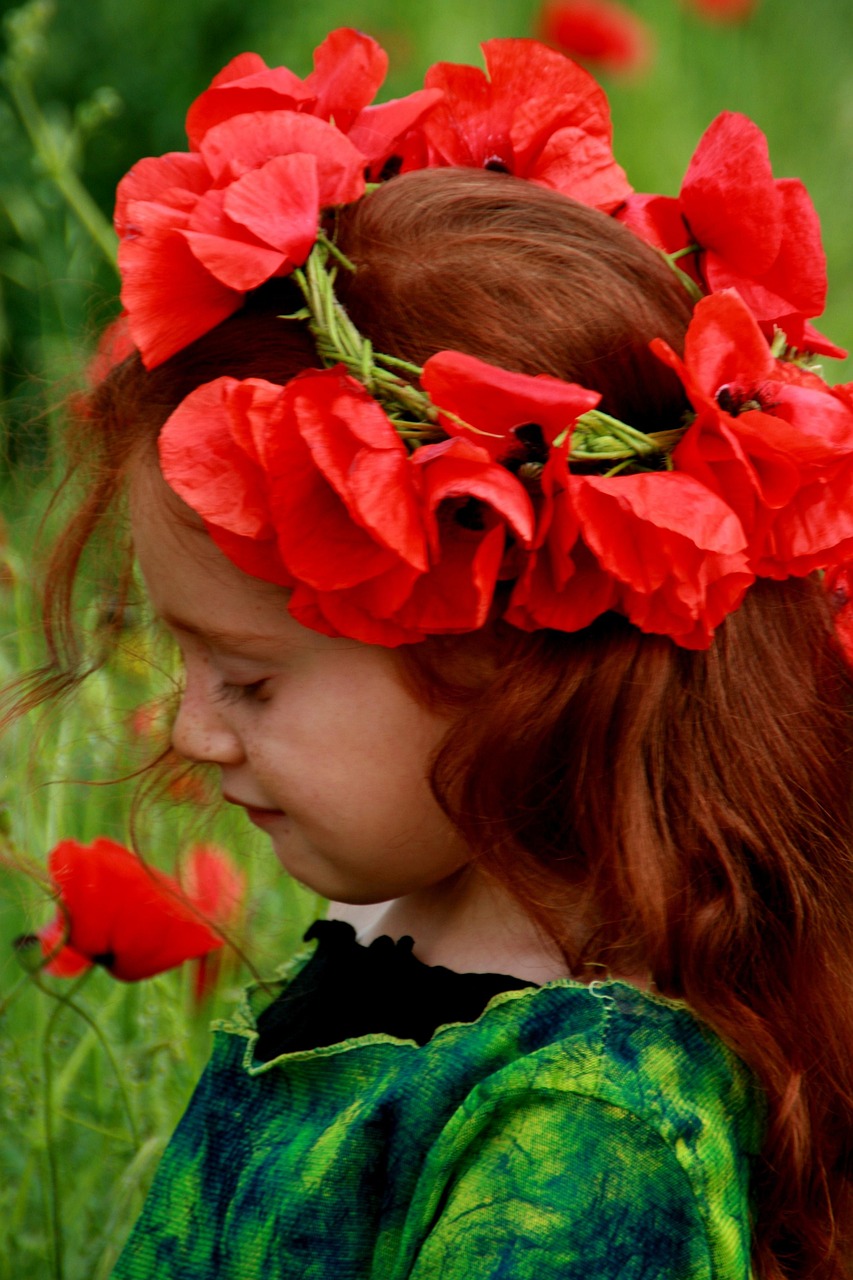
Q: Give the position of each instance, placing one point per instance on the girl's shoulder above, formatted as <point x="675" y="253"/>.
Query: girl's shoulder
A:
<point x="566" y="1131"/>
<point x="608" y="1040"/>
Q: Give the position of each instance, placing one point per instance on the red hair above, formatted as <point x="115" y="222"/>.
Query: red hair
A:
<point x="699" y="802"/>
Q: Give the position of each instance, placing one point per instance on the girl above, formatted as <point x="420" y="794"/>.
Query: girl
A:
<point x="499" y="617"/>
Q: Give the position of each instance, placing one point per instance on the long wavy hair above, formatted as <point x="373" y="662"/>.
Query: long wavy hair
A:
<point x="699" y="803"/>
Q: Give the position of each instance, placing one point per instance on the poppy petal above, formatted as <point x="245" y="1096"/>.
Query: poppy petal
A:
<point x="203" y="463"/>
<point x="728" y="195"/>
<point x="131" y="918"/>
<point x="247" y="142"/>
<point x="245" y="84"/>
<point x="494" y="401"/>
<point x="349" y="68"/>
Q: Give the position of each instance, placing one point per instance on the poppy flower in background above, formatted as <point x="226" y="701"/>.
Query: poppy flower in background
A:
<point x="533" y="113"/>
<point x="757" y="234"/>
<point x="217" y="887"/>
<point x="150" y="720"/>
<point x="601" y="33"/>
<point x="132" y="919"/>
<point x="724" y="10"/>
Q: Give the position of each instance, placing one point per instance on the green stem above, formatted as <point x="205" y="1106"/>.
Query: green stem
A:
<point x="338" y="340"/>
<point x="64" y="1000"/>
<point x="614" y="471"/>
<point x="18" y="988"/>
<point x="393" y="362"/>
<point x="635" y="440"/>
<point x="334" y="251"/>
<point x="57" y="169"/>
<point x="685" y="252"/>
<point x="687" y="281"/>
<point x="54" y="1193"/>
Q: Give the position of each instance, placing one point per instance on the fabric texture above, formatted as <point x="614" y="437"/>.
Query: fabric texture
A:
<point x="347" y="990"/>
<point x="570" y="1132"/>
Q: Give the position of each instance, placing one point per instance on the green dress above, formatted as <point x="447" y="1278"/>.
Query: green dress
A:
<point x="569" y="1133"/>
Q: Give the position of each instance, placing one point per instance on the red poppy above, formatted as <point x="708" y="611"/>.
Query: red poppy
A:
<point x="132" y="919"/>
<point x="601" y="32"/>
<point x="213" y="883"/>
<point x="349" y="68"/>
<point x="675" y="548"/>
<point x="658" y="547"/>
<point x="189" y="787"/>
<point x="269" y="152"/>
<point x="209" y="457"/>
<point x="266" y="466"/>
<point x="149" y="720"/>
<point x="217" y="888"/>
<point x="472" y="508"/>
<point x="535" y="114"/>
<point x="772" y="440"/>
<point x="197" y="231"/>
<point x="725" y="10"/>
<point x="471" y="505"/>
<point x="756" y="234"/>
<point x="494" y="403"/>
<point x="561" y="585"/>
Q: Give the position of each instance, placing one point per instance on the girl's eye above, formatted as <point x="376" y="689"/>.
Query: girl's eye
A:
<point x="253" y="691"/>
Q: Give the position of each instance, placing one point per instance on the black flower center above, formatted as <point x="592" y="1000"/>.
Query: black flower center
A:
<point x="390" y="168"/>
<point x="469" y="514"/>
<point x="734" y="400"/>
<point x="530" y="447"/>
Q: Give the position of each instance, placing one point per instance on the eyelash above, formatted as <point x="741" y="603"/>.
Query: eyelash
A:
<point x="230" y="693"/>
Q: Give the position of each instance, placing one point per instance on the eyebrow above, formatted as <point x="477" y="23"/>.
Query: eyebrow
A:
<point x="217" y="635"/>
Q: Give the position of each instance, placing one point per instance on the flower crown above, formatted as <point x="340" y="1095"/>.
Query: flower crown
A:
<point x="392" y="500"/>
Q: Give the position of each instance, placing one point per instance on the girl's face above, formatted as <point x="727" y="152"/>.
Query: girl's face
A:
<point x="318" y="739"/>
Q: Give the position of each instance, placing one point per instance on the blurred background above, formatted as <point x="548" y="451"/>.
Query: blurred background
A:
<point x="93" y="1080"/>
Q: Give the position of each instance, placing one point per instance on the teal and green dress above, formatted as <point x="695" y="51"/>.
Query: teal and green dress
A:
<point x="376" y="1118"/>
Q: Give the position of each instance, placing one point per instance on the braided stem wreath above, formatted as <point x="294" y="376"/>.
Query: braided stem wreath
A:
<point x="427" y="488"/>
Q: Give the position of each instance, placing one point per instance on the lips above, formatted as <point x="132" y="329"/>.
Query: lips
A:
<point x="255" y="813"/>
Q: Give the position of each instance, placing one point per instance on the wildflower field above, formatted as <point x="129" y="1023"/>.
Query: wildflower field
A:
<point x="95" y="1070"/>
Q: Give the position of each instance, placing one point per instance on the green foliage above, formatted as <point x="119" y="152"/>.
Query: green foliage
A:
<point x="90" y="1090"/>
<point x="92" y="1081"/>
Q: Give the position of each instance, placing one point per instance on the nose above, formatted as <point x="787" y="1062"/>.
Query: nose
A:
<point x="200" y="732"/>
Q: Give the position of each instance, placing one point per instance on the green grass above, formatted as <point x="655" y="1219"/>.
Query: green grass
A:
<point x="94" y="1074"/>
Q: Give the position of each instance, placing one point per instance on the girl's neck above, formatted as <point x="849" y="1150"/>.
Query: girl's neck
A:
<point x="466" y="923"/>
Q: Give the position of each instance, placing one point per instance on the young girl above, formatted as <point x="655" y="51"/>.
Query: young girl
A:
<point x="491" y="561"/>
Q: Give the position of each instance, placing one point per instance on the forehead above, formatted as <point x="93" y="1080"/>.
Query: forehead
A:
<point x="193" y="587"/>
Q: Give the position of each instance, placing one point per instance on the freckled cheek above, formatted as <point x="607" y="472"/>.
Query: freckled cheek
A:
<point x="299" y="776"/>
